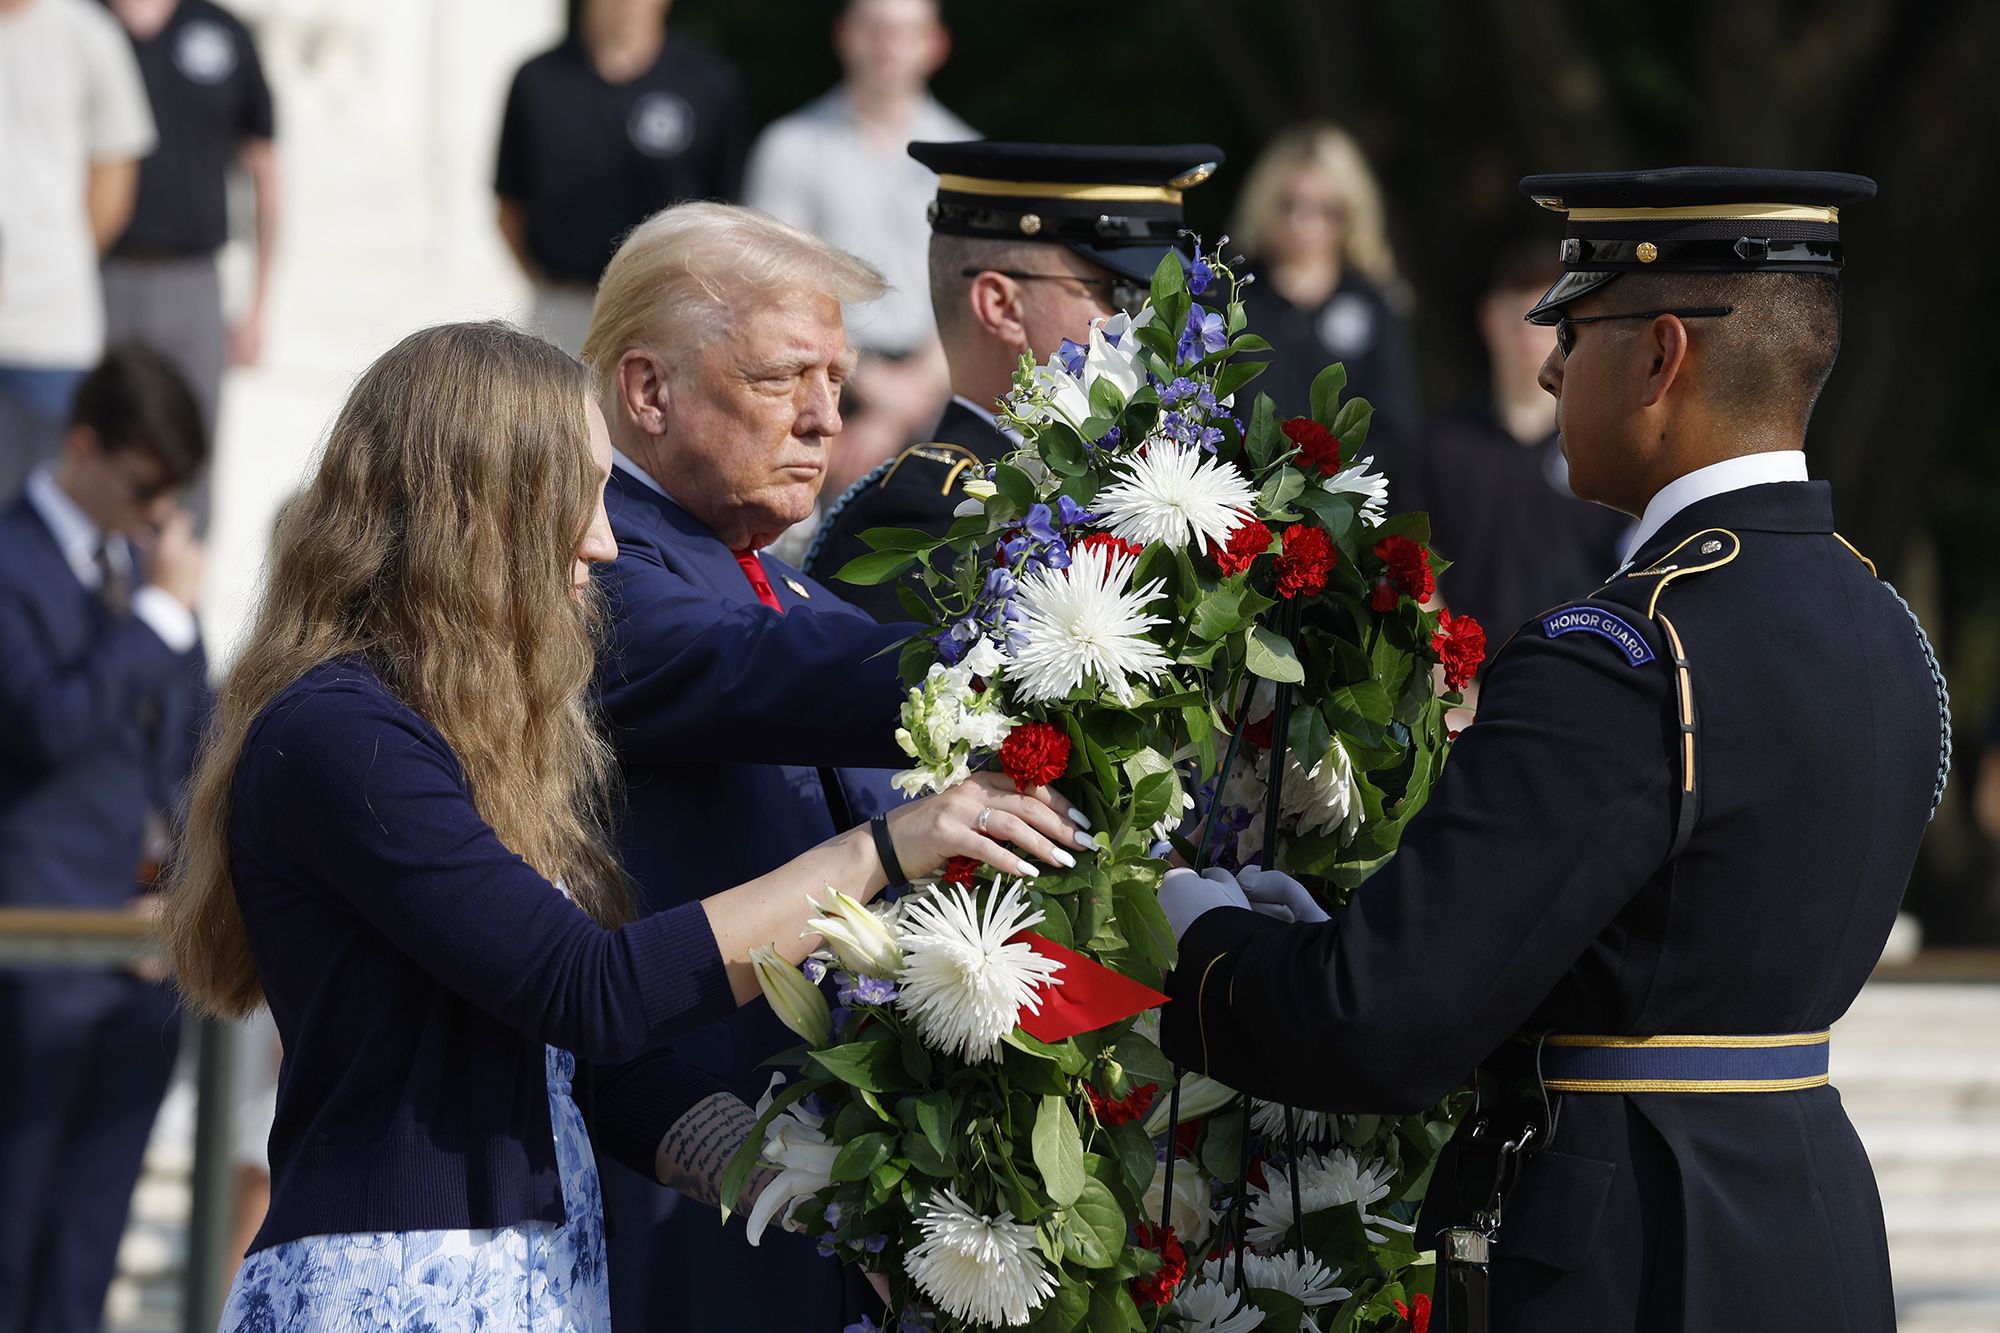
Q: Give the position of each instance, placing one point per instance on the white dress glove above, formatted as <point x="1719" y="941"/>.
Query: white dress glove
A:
<point x="1277" y="895"/>
<point x="1184" y="895"/>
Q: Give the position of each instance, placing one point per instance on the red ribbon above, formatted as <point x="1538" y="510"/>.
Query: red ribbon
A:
<point x="1083" y="997"/>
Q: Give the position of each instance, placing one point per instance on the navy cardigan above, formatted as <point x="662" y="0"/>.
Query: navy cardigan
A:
<point x="416" y="967"/>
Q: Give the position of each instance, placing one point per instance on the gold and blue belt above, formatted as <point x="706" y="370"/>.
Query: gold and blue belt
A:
<point x="1784" y="1062"/>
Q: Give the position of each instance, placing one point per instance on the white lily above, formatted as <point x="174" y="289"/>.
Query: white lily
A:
<point x="796" y="1001"/>
<point x="1200" y="1095"/>
<point x="857" y="936"/>
<point x="796" y="1145"/>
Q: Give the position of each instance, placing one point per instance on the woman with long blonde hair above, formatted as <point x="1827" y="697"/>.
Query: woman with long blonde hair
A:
<point x="1311" y="219"/>
<point x="396" y="838"/>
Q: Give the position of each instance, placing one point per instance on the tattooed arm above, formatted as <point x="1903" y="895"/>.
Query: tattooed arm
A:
<point x="694" y="1153"/>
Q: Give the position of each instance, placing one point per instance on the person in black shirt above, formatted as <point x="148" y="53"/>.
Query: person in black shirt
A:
<point x="599" y="134"/>
<point x="1310" y="218"/>
<point x="213" y="110"/>
<point x="1493" y="480"/>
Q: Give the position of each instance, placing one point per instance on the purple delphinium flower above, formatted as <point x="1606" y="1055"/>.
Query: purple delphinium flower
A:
<point x="1070" y="357"/>
<point x="865" y="1325"/>
<point x="876" y="1243"/>
<point x="912" y="1321"/>
<point x="867" y="990"/>
<point x="1200" y="273"/>
<point x="1210" y="438"/>
<point x="814" y="1104"/>
<point x="833" y="1213"/>
<point x="827" y="1250"/>
<point x="1111" y="438"/>
<point x="1071" y="514"/>
<point x="814" y="969"/>
<point x="1203" y="335"/>
<point x="1181" y="387"/>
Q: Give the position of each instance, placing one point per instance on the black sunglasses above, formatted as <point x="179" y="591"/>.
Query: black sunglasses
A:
<point x="1126" y="294"/>
<point x="1566" y="340"/>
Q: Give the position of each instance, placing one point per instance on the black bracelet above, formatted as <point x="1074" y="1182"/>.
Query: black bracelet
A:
<point x="885" y="848"/>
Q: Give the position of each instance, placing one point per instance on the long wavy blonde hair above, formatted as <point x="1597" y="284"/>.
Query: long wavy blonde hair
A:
<point x="437" y="537"/>
<point x="1323" y="147"/>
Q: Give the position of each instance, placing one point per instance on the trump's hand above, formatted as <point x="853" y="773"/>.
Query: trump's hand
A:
<point x="1185" y="896"/>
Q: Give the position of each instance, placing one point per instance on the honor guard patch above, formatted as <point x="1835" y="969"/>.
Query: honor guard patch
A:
<point x="1605" y="624"/>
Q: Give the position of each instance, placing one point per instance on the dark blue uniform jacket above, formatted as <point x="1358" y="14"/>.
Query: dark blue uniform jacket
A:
<point x="1536" y="892"/>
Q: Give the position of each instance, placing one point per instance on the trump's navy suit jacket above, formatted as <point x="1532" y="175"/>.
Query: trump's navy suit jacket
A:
<point x="98" y="723"/>
<point x="736" y="727"/>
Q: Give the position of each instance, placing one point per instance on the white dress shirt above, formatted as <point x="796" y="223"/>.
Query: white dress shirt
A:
<point x="1731" y="474"/>
<point x="78" y="539"/>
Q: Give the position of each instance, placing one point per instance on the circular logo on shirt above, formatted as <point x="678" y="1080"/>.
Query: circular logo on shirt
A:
<point x="205" y="51"/>
<point x="661" y="125"/>
<point x="1347" y="325"/>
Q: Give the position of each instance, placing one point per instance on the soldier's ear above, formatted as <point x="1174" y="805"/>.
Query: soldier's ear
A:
<point x="643" y="396"/>
<point x="996" y="302"/>
<point x="1664" y="345"/>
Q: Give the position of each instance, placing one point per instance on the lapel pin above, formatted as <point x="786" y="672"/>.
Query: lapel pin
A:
<point x="797" y="587"/>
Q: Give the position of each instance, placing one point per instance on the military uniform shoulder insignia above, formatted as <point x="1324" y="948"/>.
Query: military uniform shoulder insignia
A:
<point x="954" y="458"/>
<point x="1709" y="549"/>
<point x="1584" y="618"/>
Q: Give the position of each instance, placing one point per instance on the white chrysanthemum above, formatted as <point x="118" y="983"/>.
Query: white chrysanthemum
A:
<point x="1193" y="1214"/>
<point x="1210" y="1307"/>
<point x="985" y="1270"/>
<point x="1175" y="496"/>
<point x="961" y="982"/>
<point x="1268" y="1119"/>
<point x="1326" y="1180"/>
<point x="1305" y="1277"/>
<point x="1083" y="623"/>
<point x="1325" y="798"/>
<point x="1358" y="480"/>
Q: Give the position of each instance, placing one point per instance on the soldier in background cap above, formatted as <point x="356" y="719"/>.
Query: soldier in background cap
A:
<point x="1029" y="244"/>
<point x="1666" y="856"/>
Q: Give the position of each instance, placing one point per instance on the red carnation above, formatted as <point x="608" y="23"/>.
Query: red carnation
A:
<point x="1417" y="1313"/>
<point x="1306" y="561"/>
<point x="1118" y="1111"/>
<point x="1116" y="545"/>
<point x="1157" y="1287"/>
<point x="1461" y="645"/>
<point x="1317" y="446"/>
<point x="1407" y="569"/>
<point x="1247" y="540"/>
<point x="1034" y="755"/>
<point x="959" y="870"/>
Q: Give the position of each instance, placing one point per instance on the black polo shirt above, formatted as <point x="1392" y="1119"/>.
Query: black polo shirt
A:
<point x="208" y="94"/>
<point x="590" y="160"/>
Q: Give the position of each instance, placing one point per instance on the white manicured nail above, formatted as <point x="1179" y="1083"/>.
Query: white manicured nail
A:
<point x="1078" y="818"/>
<point x="1084" y="841"/>
<point x="1063" y="859"/>
<point x="1029" y="870"/>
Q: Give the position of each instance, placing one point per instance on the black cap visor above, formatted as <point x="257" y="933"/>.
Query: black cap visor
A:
<point x="1549" y="310"/>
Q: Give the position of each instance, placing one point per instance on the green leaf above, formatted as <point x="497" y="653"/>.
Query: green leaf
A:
<point x="1270" y="656"/>
<point x="1283" y="487"/>
<point x="737" y="1174"/>
<point x="1248" y="342"/>
<point x="1106" y="401"/>
<point x="1232" y="607"/>
<point x="1134" y="1154"/>
<point x="1111" y="1309"/>
<point x="901" y="539"/>
<point x="1237" y="374"/>
<point x="1058" y="1151"/>
<point x="1363" y="708"/>
<point x="1415" y="525"/>
<point x="935" y="1112"/>
<point x="1350" y="425"/>
<point x="1136" y="899"/>
<point x="1307" y="734"/>
<point x="1016" y="486"/>
<point x="1144" y="1061"/>
<point x="913" y="604"/>
<point x="858" y="1157"/>
<point x="1264" y="440"/>
<point x="1169" y="280"/>
<point x="873" y="1065"/>
<point x="875" y="568"/>
<point x="1064" y="1312"/>
<point x="1150" y="799"/>
<point x="1326" y="389"/>
<point x="1222" y="1143"/>
<point x="1201" y="734"/>
<point x="1336" y="513"/>
<point x="1095" y="1225"/>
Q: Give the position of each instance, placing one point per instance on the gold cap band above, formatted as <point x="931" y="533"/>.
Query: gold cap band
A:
<point x="1110" y="194"/>
<point x="1720" y="212"/>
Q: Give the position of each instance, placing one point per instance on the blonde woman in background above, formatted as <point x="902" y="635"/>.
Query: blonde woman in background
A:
<point x="1310" y="218"/>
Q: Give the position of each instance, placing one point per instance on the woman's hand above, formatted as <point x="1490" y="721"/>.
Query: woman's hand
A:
<point x="975" y="817"/>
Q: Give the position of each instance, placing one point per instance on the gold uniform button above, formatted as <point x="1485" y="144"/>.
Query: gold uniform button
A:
<point x="1031" y="223"/>
<point x="1648" y="252"/>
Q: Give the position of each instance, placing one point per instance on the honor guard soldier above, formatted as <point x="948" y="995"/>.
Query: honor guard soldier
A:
<point x="1029" y="244"/>
<point x="1667" y="854"/>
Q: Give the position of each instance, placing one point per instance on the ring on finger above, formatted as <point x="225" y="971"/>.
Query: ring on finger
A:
<point x="985" y="817"/>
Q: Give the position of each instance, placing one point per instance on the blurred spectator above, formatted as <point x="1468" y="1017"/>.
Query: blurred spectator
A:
<point x="101" y="696"/>
<point x="73" y="126"/>
<point x="838" y="168"/>
<point x="614" y="124"/>
<point x="213" y="110"/>
<point x="1310" y="218"/>
<point x="1492" y="476"/>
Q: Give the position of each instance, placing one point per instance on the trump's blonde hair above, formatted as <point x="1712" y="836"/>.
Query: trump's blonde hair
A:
<point x="680" y="276"/>
<point x="437" y="537"/>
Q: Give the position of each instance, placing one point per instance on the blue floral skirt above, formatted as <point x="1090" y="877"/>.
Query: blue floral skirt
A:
<point x="532" y="1276"/>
